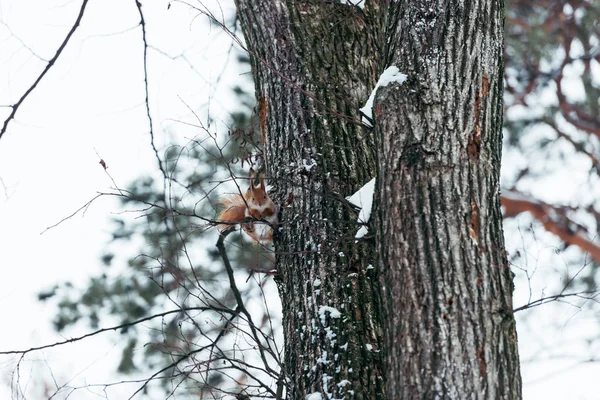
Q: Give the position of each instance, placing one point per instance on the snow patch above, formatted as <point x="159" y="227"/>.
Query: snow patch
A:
<point x="333" y="313"/>
<point x="314" y="396"/>
<point x="363" y="198"/>
<point x="390" y="75"/>
<point x="358" y="3"/>
<point x="308" y="166"/>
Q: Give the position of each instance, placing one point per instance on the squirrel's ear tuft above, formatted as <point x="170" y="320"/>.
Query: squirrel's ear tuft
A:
<point x="262" y="181"/>
<point x="254" y="178"/>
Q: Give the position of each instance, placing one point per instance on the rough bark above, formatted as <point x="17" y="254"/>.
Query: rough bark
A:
<point x="447" y="286"/>
<point x="314" y="64"/>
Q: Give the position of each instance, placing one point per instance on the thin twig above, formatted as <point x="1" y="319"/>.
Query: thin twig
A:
<point x="238" y="297"/>
<point x="50" y="64"/>
<point x="114" y="328"/>
<point x="185" y="356"/>
<point x="547" y="299"/>
<point x="147" y="100"/>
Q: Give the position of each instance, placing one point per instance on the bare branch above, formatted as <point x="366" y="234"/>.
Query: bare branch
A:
<point x="586" y="295"/>
<point x="552" y="218"/>
<point x="84" y="207"/>
<point x="114" y="328"/>
<point x="147" y="100"/>
<point x="50" y="64"/>
<point x="186" y="356"/>
<point x="238" y="297"/>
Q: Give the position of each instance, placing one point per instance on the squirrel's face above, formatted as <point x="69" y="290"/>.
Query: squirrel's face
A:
<point x="260" y="205"/>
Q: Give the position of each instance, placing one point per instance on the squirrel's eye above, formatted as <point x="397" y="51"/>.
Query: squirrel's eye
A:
<point x="253" y="199"/>
<point x="264" y="196"/>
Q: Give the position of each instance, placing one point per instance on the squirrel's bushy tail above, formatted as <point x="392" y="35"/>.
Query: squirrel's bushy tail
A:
<point x="233" y="212"/>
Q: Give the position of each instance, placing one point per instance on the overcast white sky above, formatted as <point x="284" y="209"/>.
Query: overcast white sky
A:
<point x="93" y="100"/>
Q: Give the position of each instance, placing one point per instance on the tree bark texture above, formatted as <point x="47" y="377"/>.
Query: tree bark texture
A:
<point x="447" y="287"/>
<point x="441" y="285"/>
<point x="314" y="64"/>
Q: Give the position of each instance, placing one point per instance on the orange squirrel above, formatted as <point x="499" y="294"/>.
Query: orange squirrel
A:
<point x="255" y="204"/>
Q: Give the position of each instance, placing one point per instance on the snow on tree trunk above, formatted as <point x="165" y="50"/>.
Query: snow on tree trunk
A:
<point x="447" y="287"/>
<point x="314" y="63"/>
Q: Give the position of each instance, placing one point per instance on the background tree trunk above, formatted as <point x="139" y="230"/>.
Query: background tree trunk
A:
<point x="449" y="327"/>
<point x="314" y="64"/>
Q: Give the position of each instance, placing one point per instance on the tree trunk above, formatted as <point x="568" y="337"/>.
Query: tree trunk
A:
<point x="449" y="327"/>
<point x="314" y="63"/>
<point x="447" y="293"/>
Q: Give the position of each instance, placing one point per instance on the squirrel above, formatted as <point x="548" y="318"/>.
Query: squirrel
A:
<point x="251" y="210"/>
